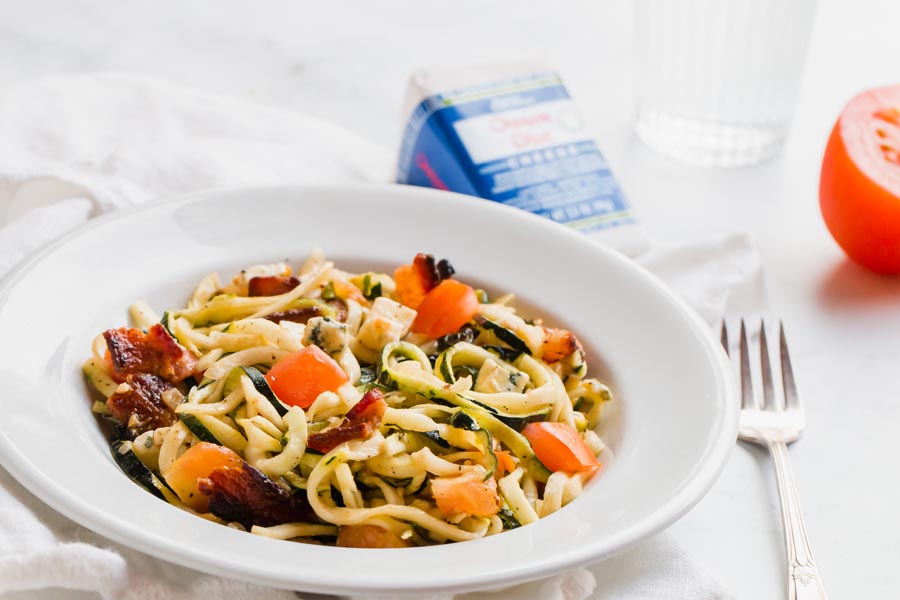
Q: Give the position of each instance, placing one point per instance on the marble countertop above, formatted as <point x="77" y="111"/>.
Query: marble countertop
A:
<point x="348" y="62"/>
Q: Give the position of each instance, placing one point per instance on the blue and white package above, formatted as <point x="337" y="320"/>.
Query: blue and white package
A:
<point x="512" y="134"/>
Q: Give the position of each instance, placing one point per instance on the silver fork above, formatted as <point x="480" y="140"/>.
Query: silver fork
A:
<point x="774" y="424"/>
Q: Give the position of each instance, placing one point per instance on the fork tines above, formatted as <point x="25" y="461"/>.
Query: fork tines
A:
<point x="769" y="399"/>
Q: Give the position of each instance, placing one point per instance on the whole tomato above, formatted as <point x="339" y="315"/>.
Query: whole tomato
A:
<point x="859" y="190"/>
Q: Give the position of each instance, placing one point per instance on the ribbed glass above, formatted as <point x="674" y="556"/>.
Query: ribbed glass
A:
<point x="717" y="80"/>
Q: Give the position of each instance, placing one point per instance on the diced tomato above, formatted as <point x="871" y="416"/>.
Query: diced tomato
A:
<point x="505" y="461"/>
<point x="411" y="287"/>
<point x="299" y="378"/>
<point x="445" y="309"/>
<point x="198" y="462"/>
<point x="559" y="447"/>
<point x="415" y="280"/>
<point x="369" y="536"/>
<point x="859" y="189"/>
<point x="456" y="497"/>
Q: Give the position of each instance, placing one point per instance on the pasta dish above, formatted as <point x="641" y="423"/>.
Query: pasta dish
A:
<point x="364" y="410"/>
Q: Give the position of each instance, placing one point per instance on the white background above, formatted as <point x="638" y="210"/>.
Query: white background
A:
<point x="348" y="62"/>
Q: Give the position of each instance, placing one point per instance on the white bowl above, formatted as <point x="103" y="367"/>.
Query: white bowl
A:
<point x="671" y="431"/>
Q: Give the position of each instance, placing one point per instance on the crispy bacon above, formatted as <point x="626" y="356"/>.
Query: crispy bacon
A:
<point x="340" y="309"/>
<point x="247" y="496"/>
<point x="328" y="440"/>
<point x="361" y="422"/>
<point x="303" y="315"/>
<point x="432" y="272"/>
<point x="132" y="351"/>
<point x="140" y="406"/>
<point x="370" y="408"/>
<point x="273" y="285"/>
<point x="295" y="315"/>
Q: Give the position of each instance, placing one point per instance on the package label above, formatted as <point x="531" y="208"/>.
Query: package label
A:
<point x="521" y="142"/>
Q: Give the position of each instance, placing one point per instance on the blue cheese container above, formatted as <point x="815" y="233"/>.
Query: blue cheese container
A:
<point x="512" y="134"/>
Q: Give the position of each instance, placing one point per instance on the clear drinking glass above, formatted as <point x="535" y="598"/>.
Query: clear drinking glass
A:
<point x="717" y="80"/>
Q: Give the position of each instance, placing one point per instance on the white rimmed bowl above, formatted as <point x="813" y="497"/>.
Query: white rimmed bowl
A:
<point x="671" y="429"/>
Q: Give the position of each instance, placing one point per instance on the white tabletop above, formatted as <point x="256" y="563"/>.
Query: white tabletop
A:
<point x="350" y="65"/>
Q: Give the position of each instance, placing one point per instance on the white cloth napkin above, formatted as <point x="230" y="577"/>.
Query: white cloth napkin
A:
<point x="74" y="147"/>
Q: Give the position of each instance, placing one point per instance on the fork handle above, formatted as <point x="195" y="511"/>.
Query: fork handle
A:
<point x="804" y="581"/>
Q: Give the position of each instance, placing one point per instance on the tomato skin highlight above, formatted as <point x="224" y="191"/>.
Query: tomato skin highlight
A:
<point x="559" y="447"/>
<point x="445" y="309"/>
<point x="859" y="188"/>
<point x="298" y="378"/>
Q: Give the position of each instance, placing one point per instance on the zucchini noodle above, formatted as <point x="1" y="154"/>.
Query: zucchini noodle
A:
<point x="410" y="434"/>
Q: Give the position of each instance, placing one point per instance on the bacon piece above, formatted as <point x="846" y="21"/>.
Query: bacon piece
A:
<point x="445" y="270"/>
<point x="302" y="315"/>
<point x="272" y="285"/>
<point x="133" y="351"/>
<point x="427" y="270"/>
<point x="247" y="496"/>
<point x="370" y="408"/>
<point x="340" y="309"/>
<point x="159" y="338"/>
<point x="140" y="407"/>
<point x="558" y="344"/>
<point x="296" y="315"/>
<point x="432" y="272"/>
<point x="328" y="440"/>
<point x="361" y="421"/>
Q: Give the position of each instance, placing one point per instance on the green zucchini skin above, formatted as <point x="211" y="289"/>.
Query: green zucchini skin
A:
<point x="436" y="438"/>
<point x="508" y="519"/>
<point x="516" y="422"/>
<point x="132" y="466"/>
<point x="262" y="386"/>
<point x="165" y="321"/>
<point x="487" y="441"/>
<point x="506" y="354"/>
<point x="198" y="429"/>
<point x="462" y="420"/>
<point x="430" y="440"/>
<point x="370" y="289"/>
<point x="486" y="417"/>
<point x="504" y="335"/>
<point x="446" y="370"/>
<point x="515" y="441"/>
